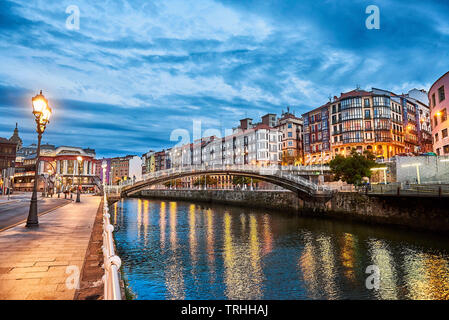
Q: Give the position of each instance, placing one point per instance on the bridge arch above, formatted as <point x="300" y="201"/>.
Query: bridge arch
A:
<point x="301" y="186"/>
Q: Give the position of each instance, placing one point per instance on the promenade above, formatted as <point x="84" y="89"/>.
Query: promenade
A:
<point x="44" y="263"/>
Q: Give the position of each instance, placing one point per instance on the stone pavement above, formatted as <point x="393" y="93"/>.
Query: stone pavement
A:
<point x="35" y="263"/>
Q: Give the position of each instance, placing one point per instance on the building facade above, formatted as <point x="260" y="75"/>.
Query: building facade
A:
<point x="316" y="141"/>
<point x="439" y="105"/>
<point x="59" y="169"/>
<point x="377" y="121"/>
<point x="291" y="128"/>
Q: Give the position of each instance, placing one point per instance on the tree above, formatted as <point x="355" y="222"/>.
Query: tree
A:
<point x="210" y="181"/>
<point x="353" y="168"/>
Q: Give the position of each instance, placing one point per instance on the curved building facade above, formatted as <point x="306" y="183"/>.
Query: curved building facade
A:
<point x="439" y="105"/>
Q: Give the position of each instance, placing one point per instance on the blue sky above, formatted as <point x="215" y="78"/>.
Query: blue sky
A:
<point x="137" y="70"/>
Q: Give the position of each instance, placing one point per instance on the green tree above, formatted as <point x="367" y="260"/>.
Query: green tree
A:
<point x="352" y="169"/>
<point x="243" y="180"/>
<point x="210" y="181"/>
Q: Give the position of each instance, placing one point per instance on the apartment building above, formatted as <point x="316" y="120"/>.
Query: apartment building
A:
<point x="378" y="121"/>
<point x="438" y="112"/>
<point x="316" y="140"/>
<point x="291" y="128"/>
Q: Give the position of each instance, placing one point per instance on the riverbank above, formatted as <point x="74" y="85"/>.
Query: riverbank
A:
<point x="417" y="213"/>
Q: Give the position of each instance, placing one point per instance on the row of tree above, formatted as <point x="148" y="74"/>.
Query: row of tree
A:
<point x="212" y="181"/>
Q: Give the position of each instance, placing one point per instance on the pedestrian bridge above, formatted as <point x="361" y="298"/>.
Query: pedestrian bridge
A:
<point x="289" y="178"/>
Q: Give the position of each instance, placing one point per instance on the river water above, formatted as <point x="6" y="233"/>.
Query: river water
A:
<point x="182" y="250"/>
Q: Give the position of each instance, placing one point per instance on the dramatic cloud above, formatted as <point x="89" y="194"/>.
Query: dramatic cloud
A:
<point x="136" y="70"/>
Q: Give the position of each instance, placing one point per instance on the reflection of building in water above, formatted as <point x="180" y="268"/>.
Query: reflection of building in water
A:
<point x="174" y="272"/>
<point x="174" y="280"/>
<point x="254" y="242"/>
<point x="347" y="256"/>
<point x="426" y="276"/>
<point x="318" y="267"/>
<point x="267" y="235"/>
<point x="329" y="269"/>
<point x="243" y="273"/>
<point x="146" y="218"/>
<point x="210" y="244"/>
<point x="139" y="217"/>
<point x="193" y="244"/>
<point x="381" y="257"/>
<point x="192" y="234"/>
<point x="173" y="240"/>
<point x="308" y="267"/>
<point x="162" y="224"/>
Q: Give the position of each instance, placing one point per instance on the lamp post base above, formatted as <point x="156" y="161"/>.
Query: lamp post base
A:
<point x="32" y="221"/>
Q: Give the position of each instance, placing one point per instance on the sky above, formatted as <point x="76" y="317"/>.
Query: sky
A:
<point x="136" y="71"/>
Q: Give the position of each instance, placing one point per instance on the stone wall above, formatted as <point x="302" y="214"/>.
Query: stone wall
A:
<point x="420" y="213"/>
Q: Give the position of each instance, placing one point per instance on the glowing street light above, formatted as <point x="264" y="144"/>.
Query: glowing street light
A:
<point x="42" y="113"/>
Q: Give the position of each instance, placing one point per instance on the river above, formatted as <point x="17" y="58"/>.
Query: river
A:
<point x="182" y="250"/>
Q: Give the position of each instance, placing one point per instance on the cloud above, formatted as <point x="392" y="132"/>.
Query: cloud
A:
<point x="136" y="70"/>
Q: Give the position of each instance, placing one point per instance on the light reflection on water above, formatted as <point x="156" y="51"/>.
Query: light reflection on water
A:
<point x="180" y="250"/>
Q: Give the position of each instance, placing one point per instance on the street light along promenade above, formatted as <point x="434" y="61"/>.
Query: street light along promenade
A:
<point x="42" y="113"/>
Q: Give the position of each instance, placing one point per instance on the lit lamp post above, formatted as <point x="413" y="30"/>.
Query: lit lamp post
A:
<point x="42" y="113"/>
<point x="78" y="192"/>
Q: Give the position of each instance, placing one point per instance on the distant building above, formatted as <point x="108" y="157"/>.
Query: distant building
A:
<point x="126" y="168"/>
<point x="99" y="169"/>
<point x="16" y="139"/>
<point x="292" y="135"/>
<point x="58" y="168"/>
<point x="7" y="154"/>
<point x="439" y="105"/>
<point x="316" y="141"/>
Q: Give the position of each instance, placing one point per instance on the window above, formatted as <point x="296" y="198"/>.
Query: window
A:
<point x="433" y="100"/>
<point x="290" y="143"/>
<point x="334" y="109"/>
<point x="435" y="120"/>
<point x="290" y="134"/>
<point x="443" y="115"/>
<point x="436" y="137"/>
<point x="446" y="149"/>
<point x="441" y="93"/>
<point x="367" y="114"/>
<point x="444" y="133"/>
<point x="289" y="125"/>
<point x="366" y="102"/>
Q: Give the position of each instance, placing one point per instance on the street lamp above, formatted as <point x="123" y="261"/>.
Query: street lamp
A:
<point x="42" y="113"/>
<point x="78" y="192"/>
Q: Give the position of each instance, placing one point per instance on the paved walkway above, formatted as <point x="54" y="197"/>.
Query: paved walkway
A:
<point x="35" y="263"/>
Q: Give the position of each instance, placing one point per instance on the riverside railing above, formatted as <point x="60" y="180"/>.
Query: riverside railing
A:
<point x="112" y="262"/>
<point x="402" y="189"/>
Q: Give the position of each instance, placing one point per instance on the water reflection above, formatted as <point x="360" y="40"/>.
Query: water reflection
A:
<point x="215" y="252"/>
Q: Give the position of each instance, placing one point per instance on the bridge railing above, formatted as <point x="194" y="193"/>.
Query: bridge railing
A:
<point x="277" y="171"/>
<point x="112" y="190"/>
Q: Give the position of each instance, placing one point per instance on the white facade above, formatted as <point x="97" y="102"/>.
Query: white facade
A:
<point x="135" y="168"/>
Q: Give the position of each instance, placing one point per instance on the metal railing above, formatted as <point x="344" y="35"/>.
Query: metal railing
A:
<point x="276" y="171"/>
<point x="402" y="189"/>
<point x="112" y="262"/>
